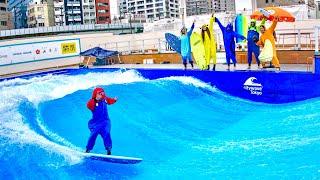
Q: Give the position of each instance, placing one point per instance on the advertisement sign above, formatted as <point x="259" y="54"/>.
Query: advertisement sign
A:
<point x="37" y="51"/>
<point x="253" y="87"/>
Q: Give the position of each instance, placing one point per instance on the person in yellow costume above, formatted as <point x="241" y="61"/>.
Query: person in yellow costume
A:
<point x="267" y="34"/>
<point x="209" y="43"/>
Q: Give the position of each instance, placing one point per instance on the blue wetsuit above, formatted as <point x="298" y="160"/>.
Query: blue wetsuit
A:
<point x="186" y="47"/>
<point x="228" y="40"/>
<point x="253" y="37"/>
<point x="100" y="124"/>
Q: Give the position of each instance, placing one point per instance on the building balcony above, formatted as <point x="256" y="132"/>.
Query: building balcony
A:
<point x="75" y="19"/>
<point x="74" y="12"/>
<point x="89" y="10"/>
<point x="73" y="5"/>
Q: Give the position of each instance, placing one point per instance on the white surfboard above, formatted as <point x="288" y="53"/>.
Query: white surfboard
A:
<point x="265" y="12"/>
<point x="112" y="158"/>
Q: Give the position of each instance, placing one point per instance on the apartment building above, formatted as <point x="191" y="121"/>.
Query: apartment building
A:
<point x="266" y="3"/>
<point x="123" y="8"/>
<point x="151" y="9"/>
<point x="5" y="16"/>
<point x="59" y="15"/>
<point x="224" y="6"/>
<point x="196" y="7"/>
<point x="19" y="8"/>
<point x="73" y="12"/>
<point x="89" y="11"/>
<point x="40" y="13"/>
<point x="103" y="11"/>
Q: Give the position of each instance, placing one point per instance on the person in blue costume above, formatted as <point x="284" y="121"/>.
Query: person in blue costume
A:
<point x="185" y="46"/>
<point x="229" y="43"/>
<point x="100" y="121"/>
<point x="253" y="37"/>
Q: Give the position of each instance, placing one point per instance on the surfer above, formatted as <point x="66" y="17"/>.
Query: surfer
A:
<point x="267" y="34"/>
<point x="100" y="121"/>
<point x="229" y="43"/>
<point x="209" y="43"/>
<point x="185" y="46"/>
<point x="253" y="37"/>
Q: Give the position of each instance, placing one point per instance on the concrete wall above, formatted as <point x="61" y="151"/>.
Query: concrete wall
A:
<point x="285" y="57"/>
<point x="25" y="67"/>
<point x="173" y="58"/>
<point x="87" y="41"/>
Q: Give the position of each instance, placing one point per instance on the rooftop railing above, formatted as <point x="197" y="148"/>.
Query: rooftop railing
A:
<point x="7" y="34"/>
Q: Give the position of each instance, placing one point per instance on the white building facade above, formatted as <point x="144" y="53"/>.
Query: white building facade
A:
<point x="224" y="6"/>
<point x="151" y="9"/>
<point x="89" y="11"/>
<point x="59" y="15"/>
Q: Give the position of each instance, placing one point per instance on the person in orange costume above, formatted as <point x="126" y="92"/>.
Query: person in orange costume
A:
<point x="268" y="35"/>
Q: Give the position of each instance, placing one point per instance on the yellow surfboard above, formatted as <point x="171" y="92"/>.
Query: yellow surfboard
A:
<point x="198" y="52"/>
<point x="266" y="54"/>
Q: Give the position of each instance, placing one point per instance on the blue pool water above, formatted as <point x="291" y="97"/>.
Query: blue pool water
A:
<point x="181" y="127"/>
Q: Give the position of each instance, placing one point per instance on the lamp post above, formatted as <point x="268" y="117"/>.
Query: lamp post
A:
<point x="130" y="14"/>
<point x="182" y="9"/>
<point x="72" y="13"/>
<point x="130" y="22"/>
<point x="196" y="7"/>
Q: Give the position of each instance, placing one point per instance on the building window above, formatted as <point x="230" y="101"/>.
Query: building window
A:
<point x="3" y="23"/>
<point x="103" y="4"/>
<point x="3" y="9"/>
<point x="102" y="11"/>
<point x="267" y="1"/>
<point x="102" y="18"/>
<point x="41" y="24"/>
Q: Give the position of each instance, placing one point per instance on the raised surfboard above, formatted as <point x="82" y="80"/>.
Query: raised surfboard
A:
<point x="198" y="52"/>
<point x="112" y="158"/>
<point x="241" y="24"/>
<point x="266" y="54"/>
<point x="174" y="42"/>
<point x="265" y="12"/>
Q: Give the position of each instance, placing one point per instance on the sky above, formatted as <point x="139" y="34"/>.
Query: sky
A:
<point x="241" y="4"/>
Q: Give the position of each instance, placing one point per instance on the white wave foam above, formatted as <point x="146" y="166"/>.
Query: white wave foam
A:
<point x="19" y="133"/>
<point x="40" y="89"/>
<point x="260" y="145"/>
<point x="50" y="87"/>
<point x="187" y="80"/>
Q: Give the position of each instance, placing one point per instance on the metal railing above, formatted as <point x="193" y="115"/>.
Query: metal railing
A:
<point x="301" y="39"/>
<point x="144" y="46"/>
<point x="298" y="39"/>
<point x="70" y="28"/>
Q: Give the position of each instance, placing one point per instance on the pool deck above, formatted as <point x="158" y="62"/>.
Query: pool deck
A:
<point x="219" y="67"/>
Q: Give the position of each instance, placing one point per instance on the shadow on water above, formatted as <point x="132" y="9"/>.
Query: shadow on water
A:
<point x="104" y="170"/>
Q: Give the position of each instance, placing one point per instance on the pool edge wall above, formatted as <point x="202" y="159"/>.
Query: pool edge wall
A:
<point x="260" y="86"/>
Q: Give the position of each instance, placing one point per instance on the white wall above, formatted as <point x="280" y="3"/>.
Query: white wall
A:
<point x="38" y="65"/>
